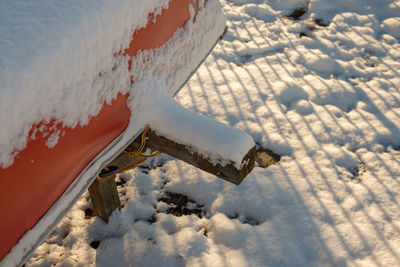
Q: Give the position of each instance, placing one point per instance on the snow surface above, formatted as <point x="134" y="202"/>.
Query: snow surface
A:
<point x="50" y="50"/>
<point x="215" y="141"/>
<point x="329" y="104"/>
<point x="72" y="89"/>
<point x="39" y="83"/>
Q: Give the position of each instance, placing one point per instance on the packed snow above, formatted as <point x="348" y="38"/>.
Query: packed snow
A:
<point x="322" y="91"/>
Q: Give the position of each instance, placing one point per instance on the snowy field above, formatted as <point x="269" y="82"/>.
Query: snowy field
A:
<point x="322" y="90"/>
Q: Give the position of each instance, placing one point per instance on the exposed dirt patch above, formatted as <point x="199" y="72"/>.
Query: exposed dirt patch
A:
<point x="181" y="205"/>
<point x="321" y="22"/>
<point x="266" y="157"/>
<point x="297" y="13"/>
<point x="121" y="181"/>
<point x="152" y="219"/>
<point x="244" y="219"/>
<point x="95" y="244"/>
<point x="89" y="213"/>
<point x="303" y="34"/>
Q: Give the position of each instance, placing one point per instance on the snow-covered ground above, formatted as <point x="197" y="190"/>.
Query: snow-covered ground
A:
<point x="324" y="93"/>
